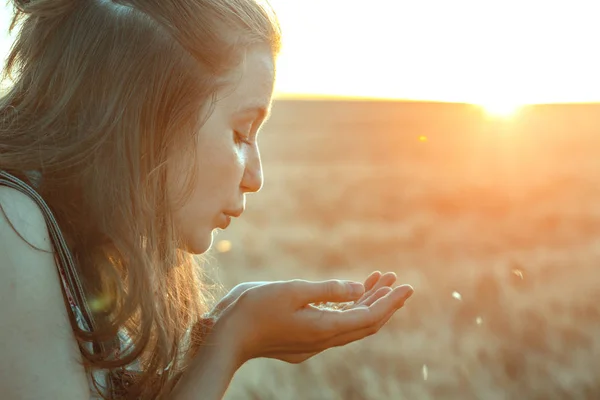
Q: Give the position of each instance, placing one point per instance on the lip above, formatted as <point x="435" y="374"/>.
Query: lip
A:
<point x="225" y="221"/>
<point x="227" y="215"/>
<point x="234" y="213"/>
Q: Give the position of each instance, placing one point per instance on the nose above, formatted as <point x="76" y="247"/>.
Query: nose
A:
<point x="252" y="180"/>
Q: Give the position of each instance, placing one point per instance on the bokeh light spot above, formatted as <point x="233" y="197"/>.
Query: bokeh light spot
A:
<point x="223" y="246"/>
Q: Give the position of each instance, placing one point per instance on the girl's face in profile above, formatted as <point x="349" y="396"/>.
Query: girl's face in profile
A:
<point x="227" y="154"/>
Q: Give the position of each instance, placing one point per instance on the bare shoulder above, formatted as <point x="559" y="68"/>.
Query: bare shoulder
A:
<point x="21" y="213"/>
<point x="39" y="357"/>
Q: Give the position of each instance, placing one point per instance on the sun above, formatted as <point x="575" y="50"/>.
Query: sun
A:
<point x="500" y="108"/>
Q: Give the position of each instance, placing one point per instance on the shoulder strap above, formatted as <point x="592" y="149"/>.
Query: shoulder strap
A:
<point x="73" y="289"/>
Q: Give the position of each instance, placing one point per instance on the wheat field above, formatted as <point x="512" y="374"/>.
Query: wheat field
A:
<point x="495" y="223"/>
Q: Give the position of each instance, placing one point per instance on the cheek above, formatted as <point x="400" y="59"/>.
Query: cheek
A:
<point x="241" y="157"/>
<point x="228" y="163"/>
<point x="220" y="165"/>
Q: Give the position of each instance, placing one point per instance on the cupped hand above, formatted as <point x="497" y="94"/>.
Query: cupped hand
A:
<point x="376" y="285"/>
<point x="279" y="319"/>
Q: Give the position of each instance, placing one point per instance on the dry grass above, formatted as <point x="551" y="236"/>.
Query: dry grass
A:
<point x="505" y="213"/>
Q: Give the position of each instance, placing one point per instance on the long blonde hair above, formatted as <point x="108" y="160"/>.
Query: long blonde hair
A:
<point x="104" y="94"/>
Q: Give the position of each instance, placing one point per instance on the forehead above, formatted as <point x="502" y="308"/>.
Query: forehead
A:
<point x="251" y="84"/>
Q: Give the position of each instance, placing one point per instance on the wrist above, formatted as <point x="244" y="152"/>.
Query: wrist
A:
<point x="225" y="336"/>
<point x="216" y="362"/>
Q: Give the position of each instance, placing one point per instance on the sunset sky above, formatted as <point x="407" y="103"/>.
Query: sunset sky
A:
<point x="495" y="53"/>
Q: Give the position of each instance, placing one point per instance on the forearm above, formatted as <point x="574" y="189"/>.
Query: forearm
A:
<point x="209" y="375"/>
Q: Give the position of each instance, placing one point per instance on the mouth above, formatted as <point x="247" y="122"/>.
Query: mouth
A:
<point x="225" y="221"/>
<point x="226" y="217"/>
<point x="234" y="213"/>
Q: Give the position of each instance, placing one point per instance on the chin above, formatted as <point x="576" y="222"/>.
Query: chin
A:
<point x="201" y="244"/>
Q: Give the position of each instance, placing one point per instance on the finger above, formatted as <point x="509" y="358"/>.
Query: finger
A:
<point x="369" y="298"/>
<point x="397" y="296"/>
<point x="349" y="337"/>
<point x="386" y="280"/>
<point x="375" y="296"/>
<point x="305" y="292"/>
<point x="372" y="280"/>
<point x="372" y="284"/>
<point x="369" y="283"/>
<point x="362" y="316"/>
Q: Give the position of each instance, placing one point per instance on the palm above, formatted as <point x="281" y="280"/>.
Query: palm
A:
<point x="376" y="286"/>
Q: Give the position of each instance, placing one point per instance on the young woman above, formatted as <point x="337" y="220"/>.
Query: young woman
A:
<point x="128" y="136"/>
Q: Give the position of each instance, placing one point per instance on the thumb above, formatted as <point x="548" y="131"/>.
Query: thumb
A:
<point x="333" y="290"/>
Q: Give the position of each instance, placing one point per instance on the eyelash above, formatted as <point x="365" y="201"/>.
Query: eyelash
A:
<point x="240" y="138"/>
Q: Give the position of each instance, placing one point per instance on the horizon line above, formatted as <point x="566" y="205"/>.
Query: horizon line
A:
<point x="334" y="97"/>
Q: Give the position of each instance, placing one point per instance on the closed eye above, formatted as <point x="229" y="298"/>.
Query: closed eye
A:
<point x="240" y="138"/>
